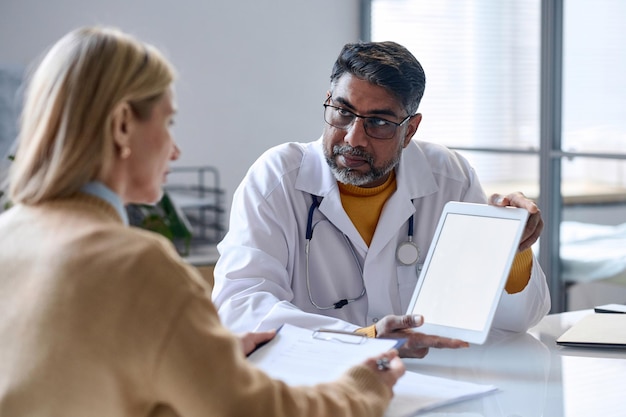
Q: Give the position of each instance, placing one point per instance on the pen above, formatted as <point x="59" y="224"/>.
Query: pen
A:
<point x="382" y="364"/>
<point x="350" y="337"/>
<point x="338" y="331"/>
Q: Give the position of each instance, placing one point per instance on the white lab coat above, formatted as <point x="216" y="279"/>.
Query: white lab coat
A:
<point x="260" y="277"/>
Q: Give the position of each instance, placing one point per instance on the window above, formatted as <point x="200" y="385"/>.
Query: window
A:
<point x="482" y="63"/>
<point x="481" y="60"/>
<point x="490" y="95"/>
<point x="594" y="89"/>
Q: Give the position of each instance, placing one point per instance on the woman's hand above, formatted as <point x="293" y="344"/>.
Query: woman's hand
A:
<point x="388" y="366"/>
<point x="250" y="341"/>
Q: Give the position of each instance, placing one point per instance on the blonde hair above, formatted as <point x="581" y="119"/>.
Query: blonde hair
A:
<point x="65" y="137"/>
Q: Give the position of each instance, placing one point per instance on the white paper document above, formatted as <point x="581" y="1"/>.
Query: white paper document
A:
<point x="415" y="393"/>
<point x="303" y="357"/>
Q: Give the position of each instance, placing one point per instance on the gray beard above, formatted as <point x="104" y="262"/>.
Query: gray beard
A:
<point x="351" y="177"/>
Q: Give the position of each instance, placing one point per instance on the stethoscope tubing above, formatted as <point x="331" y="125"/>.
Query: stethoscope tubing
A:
<point x="412" y="259"/>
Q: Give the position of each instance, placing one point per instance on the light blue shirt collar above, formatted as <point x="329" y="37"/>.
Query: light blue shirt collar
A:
<point x="100" y="190"/>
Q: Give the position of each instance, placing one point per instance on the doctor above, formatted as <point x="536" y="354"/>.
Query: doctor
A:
<point x="332" y="233"/>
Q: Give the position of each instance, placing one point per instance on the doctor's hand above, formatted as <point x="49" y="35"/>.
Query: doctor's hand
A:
<point x="417" y="344"/>
<point x="534" y="224"/>
<point x="249" y="341"/>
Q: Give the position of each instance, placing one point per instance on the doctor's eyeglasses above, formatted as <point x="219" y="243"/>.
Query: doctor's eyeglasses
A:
<point x="375" y="127"/>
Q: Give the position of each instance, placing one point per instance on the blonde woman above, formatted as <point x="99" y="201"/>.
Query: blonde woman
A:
<point x="101" y="319"/>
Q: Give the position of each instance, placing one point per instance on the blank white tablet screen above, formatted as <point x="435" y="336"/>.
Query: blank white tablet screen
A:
<point x="466" y="270"/>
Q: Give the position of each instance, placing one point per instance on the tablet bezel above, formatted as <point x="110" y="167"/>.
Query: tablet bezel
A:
<point x="476" y="336"/>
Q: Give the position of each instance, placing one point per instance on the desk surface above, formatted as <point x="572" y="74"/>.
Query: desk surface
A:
<point x="573" y="192"/>
<point x="203" y="255"/>
<point x="535" y="377"/>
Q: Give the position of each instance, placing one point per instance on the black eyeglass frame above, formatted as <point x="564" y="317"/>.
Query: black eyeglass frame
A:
<point x="365" y="120"/>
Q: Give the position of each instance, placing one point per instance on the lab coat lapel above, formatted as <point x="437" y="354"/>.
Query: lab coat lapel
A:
<point x="332" y="208"/>
<point x="393" y="218"/>
<point x="414" y="179"/>
<point x="314" y="177"/>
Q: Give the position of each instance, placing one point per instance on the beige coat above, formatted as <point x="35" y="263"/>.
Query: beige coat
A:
<point x="100" y="319"/>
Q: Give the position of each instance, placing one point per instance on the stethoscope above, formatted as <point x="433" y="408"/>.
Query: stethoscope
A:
<point x="407" y="254"/>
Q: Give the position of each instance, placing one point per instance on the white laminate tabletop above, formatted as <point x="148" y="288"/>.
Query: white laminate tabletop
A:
<point x="535" y="377"/>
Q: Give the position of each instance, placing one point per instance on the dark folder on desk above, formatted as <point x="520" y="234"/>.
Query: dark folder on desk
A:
<point x="597" y="331"/>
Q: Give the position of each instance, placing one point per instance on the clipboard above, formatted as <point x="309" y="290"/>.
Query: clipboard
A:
<point x="301" y="356"/>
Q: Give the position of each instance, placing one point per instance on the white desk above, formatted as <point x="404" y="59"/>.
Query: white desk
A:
<point x="536" y="377"/>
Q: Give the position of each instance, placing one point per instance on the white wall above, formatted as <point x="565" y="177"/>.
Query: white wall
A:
<point x="252" y="73"/>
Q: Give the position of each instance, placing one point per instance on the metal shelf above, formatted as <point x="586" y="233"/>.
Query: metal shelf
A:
<point x="196" y="190"/>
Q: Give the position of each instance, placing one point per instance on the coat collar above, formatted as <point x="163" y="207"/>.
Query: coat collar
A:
<point x="414" y="180"/>
<point x="414" y="173"/>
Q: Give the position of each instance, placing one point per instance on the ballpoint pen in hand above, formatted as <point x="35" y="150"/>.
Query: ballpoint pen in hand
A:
<point x="382" y="364"/>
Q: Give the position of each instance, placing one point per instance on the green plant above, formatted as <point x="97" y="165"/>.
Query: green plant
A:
<point x="164" y="218"/>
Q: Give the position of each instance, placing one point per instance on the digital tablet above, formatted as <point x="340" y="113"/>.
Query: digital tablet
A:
<point x="466" y="268"/>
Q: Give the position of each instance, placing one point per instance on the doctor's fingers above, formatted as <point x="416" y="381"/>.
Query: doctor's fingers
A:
<point x="534" y="227"/>
<point x="414" y="352"/>
<point x="516" y="199"/>
<point x="418" y="344"/>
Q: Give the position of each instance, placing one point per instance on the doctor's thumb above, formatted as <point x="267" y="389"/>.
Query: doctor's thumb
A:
<point x="413" y="320"/>
<point x="498" y="200"/>
<point x="393" y="323"/>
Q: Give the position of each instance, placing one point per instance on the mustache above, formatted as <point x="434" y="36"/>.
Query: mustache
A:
<point x="349" y="150"/>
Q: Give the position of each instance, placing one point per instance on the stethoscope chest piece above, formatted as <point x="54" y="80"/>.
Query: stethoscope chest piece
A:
<point x="408" y="253"/>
